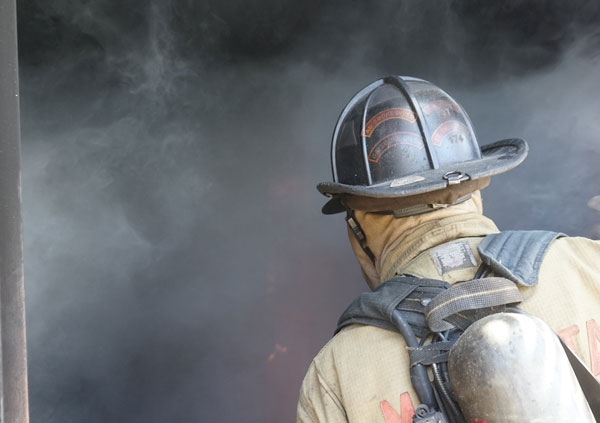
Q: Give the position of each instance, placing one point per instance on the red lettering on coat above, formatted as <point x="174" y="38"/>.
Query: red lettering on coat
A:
<point x="593" y="332"/>
<point x="407" y="410"/>
<point x="567" y="335"/>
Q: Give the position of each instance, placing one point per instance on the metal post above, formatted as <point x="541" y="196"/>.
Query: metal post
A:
<point x="13" y="359"/>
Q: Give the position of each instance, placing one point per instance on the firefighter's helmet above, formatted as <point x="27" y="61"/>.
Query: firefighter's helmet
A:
<point x="403" y="136"/>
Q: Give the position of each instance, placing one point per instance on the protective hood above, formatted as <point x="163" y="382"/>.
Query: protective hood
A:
<point x="386" y="235"/>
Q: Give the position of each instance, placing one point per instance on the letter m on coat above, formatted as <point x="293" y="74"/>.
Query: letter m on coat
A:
<point x="407" y="410"/>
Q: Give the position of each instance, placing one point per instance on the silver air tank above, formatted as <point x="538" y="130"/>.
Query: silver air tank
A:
<point x="512" y="368"/>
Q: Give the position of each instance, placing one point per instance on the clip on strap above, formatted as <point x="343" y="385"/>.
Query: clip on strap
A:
<point x="359" y="234"/>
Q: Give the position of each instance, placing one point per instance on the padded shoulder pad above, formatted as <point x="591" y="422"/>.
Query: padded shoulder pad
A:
<point x="376" y="308"/>
<point x="517" y="255"/>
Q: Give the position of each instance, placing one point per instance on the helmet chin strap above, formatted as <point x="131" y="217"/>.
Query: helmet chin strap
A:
<point x="359" y="234"/>
<point x="425" y="208"/>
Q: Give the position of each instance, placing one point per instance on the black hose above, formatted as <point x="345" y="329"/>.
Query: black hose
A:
<point x="449" y="417"/>
<point x="447" y="399"/>
<point x="418" y="373"/>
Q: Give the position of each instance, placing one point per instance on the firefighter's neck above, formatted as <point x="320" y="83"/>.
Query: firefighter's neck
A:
<point x="395" y="241"/>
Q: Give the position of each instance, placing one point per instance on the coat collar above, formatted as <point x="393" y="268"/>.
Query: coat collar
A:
<point x="431" y="234"/>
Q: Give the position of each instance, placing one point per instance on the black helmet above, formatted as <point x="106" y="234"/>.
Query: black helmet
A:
<point x="402" y="136"/>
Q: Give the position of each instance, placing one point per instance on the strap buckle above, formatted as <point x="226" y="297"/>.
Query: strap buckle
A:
<point x="455" y="177"/>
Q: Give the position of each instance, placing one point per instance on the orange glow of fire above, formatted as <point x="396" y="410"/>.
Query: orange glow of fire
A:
<point x="278" y="349"/>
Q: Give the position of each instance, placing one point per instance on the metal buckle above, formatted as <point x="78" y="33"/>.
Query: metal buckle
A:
<point x="455" y="177"/>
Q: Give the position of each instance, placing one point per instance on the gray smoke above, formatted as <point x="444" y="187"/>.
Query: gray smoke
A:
<point x="177" y="265"/>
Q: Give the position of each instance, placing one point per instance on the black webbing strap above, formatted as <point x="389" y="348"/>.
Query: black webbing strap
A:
<point x="406" y="295"/>
<point x="476" y="294"/>
<point x="429" y="354"/>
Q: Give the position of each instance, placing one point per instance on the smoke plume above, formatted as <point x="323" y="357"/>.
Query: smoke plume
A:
<point x="177" y="266"/>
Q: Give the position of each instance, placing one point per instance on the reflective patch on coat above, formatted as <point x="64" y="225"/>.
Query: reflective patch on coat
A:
<point x="453" y="256"/>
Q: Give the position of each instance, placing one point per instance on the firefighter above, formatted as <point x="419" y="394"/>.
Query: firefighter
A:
<point x="407" y="174"/>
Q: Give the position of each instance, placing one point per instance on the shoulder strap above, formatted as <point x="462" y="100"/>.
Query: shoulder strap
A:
<point x="376" y="308"/>
<point x="517" y="255"/>
<point x="430" y="305"/>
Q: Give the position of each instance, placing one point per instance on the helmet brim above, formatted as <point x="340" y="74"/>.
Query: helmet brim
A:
<point x="497" y="157"/>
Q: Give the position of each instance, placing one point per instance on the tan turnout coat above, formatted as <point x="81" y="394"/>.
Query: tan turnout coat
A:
<point x="362" y="374"/>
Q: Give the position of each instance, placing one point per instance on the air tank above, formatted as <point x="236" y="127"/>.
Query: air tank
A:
<point x="510" y="367"/>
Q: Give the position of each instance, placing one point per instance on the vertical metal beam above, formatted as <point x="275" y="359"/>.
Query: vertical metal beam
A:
<point x="13" y="359"/>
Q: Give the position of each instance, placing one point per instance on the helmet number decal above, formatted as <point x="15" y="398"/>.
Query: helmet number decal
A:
<point x="451" y="130"/>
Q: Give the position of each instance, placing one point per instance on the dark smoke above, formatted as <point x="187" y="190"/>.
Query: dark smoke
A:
<point x="177" y="266"/>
